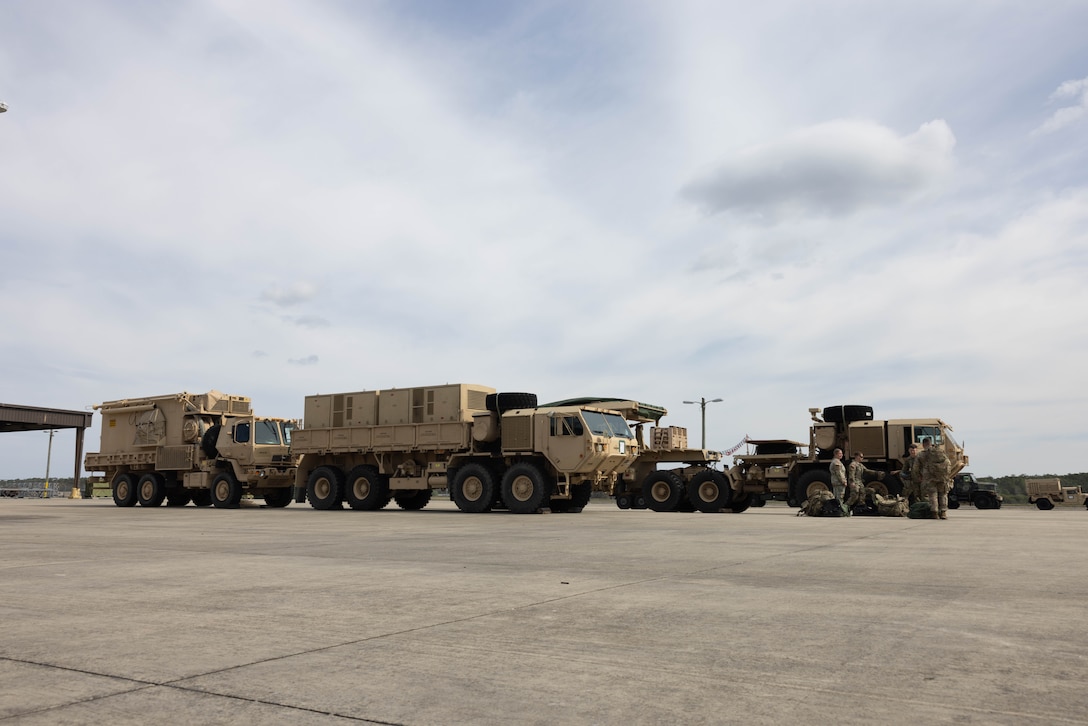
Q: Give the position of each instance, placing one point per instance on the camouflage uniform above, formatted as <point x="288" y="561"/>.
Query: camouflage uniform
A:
<point x="910" y="486"/>
<point x="838" y="480"/>
<point x="934" y="466"/>
<point x="856" y="485"/>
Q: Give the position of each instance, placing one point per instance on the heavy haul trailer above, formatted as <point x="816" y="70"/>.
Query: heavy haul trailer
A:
<point x="790" y="470"/>
<point x="667" y="476"/>
<point x="207" y="448"/>
<point x="488" y="449"/>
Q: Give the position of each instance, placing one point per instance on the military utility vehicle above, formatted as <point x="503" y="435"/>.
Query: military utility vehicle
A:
<point x="967" y="489"/>
<point x="1045" y="493"/>
<point x="489" y="449"/>
<point x="206" y="448"/>
<point x="690" y="480"/>
<point x="791" y="470"/>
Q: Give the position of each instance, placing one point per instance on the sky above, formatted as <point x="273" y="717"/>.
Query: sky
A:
<point x="786" y="205"/>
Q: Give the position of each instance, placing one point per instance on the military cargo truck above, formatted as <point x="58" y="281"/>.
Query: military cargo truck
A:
<point x="791" y="470"/>
<point x="666" y="476"/>
<point x="489" y="449"/>
<point x="206" y="448"/>
<point x="966" y="488"/>
<point x="1045" y="493"/>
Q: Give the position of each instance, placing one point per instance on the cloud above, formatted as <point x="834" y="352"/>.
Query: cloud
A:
<point x="308" y="321"/>
<point x="1067" y="115"/>
<point x="831" y="169"/>
<point x="286" y="296"/>
<point x="307" y="361"/>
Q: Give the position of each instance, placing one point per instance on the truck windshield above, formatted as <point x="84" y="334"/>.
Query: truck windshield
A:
<point x="607" y="424"/>
<point x="266" y="433"/>
<point x="931" y="432"/>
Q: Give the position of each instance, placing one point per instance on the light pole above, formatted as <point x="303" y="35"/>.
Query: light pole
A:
<point x="702" y="404"/>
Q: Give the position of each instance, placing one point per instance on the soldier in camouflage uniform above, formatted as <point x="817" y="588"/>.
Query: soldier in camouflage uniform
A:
<point x="838" y="479"/>
<point x="856" y="485"/>
<point x="934" y="466"/>
<point x="910" y="487"/>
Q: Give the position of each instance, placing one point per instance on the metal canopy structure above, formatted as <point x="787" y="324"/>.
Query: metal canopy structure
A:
<point x="32" y="418"/>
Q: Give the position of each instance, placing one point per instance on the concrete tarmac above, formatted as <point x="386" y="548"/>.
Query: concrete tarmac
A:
<point x="295" y="616"/>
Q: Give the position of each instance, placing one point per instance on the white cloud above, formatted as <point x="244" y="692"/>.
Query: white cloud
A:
<point x="833" y="169"/>
<point x="1077" y="91"/>
<point x="290" y="294"/>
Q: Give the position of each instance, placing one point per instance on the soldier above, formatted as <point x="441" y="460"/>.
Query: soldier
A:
<point x="856" y="480"/>
<point x="910" y="488"/>
<point x="934" y="466"/>
<point x="838" y="479"/>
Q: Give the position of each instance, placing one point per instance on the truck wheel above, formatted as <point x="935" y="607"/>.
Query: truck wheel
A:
<point x="955" y="503"/>
<point x="208" y="441"/>
<point x="739" y="505"/>
<point x="366" y="489"/>
<point x="811" y="482"/>
<point x="412" y="499"/>
<point x="178" y="497"/>
<point x="580" y="495"/>
<point x="662" y="490"/>
<point x="709" y="491"/>
<point x="202" y="497"/>
<point x="151" y="490"/>
<point x="278" y="498"/>
<point x="525" y="489"/>
<point x="124" y="490"/>
<point x="473" y="489"/>
<point x="503" y="402"/>
<point x="226" y="491"/>
<point x="325" y="488"/>
<point x="623" y="501"/>
<point x="1044" y="503"/>
<point x="757" y="500"/>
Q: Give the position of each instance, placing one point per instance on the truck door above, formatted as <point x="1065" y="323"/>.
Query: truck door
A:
<point x="566" y="441"/>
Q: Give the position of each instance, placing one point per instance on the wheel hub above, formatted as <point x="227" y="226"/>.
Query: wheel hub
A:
<point x="522" y="488"/>
<point x="473" y="489"/>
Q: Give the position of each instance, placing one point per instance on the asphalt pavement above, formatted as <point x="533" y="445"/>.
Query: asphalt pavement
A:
<point x="296" y="616"/>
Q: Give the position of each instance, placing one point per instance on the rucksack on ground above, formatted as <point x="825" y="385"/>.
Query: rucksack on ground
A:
<point x="821" y="504"/>
<point x="891" y="506"/>
<point x="920" y="510"/>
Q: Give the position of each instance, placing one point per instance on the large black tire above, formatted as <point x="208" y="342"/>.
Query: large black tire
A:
<point x="151" y="490"/>
<point x="580" y="495"/>
<point x="624" y="500"/>
<point x="809" y="482"/>
<point x="226" y="490"/>
<point x="412" y="499"/>
<point x="208" y="441"/>
<point x="503" y="402"/>
<point x="709" y="491"/>
<point x="955" y="503"/>
<point x="473" y="488"/>
<point x="325" y="488"/>
<point x="202" y="497"/>
<point x="757" y="500"/>
<point x="1044" y="504"/>
<point x="525" y="489"/>
<point x="776" y="447"/>
<point x="847" y="414"/>
<point x="178" y="497"/>
<point x="124" y="490"/>
<point x="278" y="498"/>
<point x="366" y="489"/>
<point x="662" y="491"/>
<point x="739" y="504"/>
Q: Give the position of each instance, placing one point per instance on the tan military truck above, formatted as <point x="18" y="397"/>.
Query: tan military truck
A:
<point x="1045" y="493"/>
<point x="667" y="476"/>
<point x="489" y="449"/>
<point x="791" y="470"/>
<point x="207" y="448"/>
